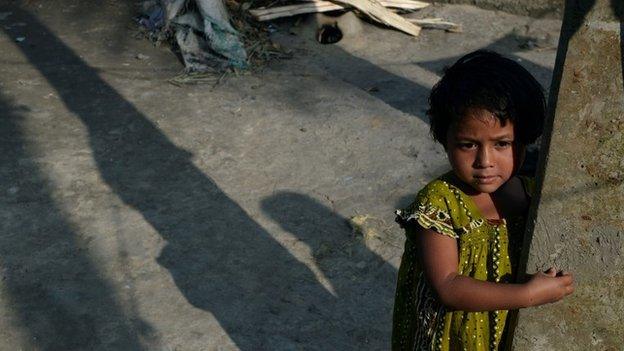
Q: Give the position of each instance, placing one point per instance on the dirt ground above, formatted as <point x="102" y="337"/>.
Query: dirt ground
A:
<point x="138" y="215"/>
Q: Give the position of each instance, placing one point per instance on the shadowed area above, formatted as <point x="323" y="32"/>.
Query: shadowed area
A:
<point x="402" y="92"/>
<point x="221" y="260"/>
<point x="56" y="293"/>
<point x="505" y="46"/>
<point x="344" y="259"/>
<point x="618" y="9"/>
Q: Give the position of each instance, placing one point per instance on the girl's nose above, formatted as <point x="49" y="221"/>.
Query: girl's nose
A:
<point x="484" y="158"/>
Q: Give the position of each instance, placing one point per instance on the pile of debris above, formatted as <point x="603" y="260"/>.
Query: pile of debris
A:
<point x="210" y="35"/>
<point x="221" y="35"/>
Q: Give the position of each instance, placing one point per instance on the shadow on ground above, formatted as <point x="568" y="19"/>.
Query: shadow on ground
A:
<point x="56" y="292"/>
<point x="397" y="91"/>
<point x="220" y="259"/>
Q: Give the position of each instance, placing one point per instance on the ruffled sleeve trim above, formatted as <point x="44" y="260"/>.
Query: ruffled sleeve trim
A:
<point x="428" y="217"/>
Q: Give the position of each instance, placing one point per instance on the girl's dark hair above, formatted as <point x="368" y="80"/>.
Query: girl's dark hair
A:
<point x="484" y="79"/>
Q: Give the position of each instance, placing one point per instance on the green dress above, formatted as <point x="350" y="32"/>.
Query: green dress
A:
<point x="420" y="321"/>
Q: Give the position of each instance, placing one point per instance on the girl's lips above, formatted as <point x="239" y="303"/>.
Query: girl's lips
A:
<point x="485" y="179"/>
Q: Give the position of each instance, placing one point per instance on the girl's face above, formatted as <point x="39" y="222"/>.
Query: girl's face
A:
<point x="482" y="152"/>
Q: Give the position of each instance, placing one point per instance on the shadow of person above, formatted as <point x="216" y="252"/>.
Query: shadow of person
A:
<point x="56" y="294"/>
<point x="363" y="281"/>
<point x="220" y="259"/>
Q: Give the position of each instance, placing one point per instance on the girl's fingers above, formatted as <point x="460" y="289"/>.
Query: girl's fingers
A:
<point x="567" y="279"/>
<point x="551" y="272"/>
<point x="569" y="289"/>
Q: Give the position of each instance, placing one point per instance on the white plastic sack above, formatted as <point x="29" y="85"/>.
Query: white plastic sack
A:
<point x="204" y="34"/>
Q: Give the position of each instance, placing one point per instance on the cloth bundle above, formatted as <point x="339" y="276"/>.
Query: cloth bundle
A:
<point x="203" y="32"/>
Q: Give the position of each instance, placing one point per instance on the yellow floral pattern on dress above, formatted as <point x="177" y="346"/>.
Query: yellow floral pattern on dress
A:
<point x="420" y="322"/>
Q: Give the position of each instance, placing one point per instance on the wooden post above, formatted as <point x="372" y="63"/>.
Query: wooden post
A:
<point x="578" y="219"/>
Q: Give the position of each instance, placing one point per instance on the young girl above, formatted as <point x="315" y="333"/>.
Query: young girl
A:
<point x="465" y="229"/>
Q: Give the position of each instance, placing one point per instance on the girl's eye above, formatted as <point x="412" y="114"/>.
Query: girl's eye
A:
<point x="466" y="145"/>
<point x="503" y="144"/>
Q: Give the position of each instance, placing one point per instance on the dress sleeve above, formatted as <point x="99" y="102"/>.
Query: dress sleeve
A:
<point x="430" y="210"/>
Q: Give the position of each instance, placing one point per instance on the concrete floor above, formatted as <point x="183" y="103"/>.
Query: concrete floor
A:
<point x="137" y="215"/>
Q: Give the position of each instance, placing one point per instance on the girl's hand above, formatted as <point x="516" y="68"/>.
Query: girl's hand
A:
<point x="548" y="287"/>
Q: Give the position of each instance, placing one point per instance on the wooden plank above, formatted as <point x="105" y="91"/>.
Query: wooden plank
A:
<point x="372" y="8"/>
<point x="436" y="23"/>
<point x="407" y="4"/>
<point x="377" y="12"/>
<point x="315" y="6"/>
<point x="292" y="10"/>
